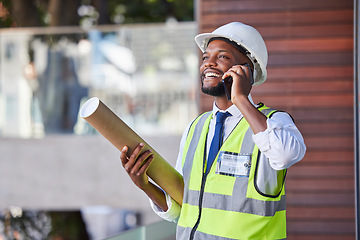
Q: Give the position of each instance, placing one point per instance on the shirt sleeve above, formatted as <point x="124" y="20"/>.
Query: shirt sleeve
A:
<point x="282" y="142"/>
<point x="173" y="212"/>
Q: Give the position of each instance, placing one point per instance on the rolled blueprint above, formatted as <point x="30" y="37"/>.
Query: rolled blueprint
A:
<point x="106" y="122"/>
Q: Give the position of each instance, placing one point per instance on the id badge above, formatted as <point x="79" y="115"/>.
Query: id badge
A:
<point x="234" y="164"/>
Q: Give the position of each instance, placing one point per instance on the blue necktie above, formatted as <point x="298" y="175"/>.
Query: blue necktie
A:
<point x="217" y="139"/>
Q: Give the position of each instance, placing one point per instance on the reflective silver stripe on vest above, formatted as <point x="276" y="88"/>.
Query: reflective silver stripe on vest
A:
<point x="266" y="111"/>
<point x="248" y="146"/>
<point x="184" y="233"/>
<point x="242" y="204"/>
<point x="225" y="202"/>
<point x="191" y="152"/>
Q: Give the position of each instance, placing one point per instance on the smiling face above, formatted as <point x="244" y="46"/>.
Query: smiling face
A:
<point x="218" y="58"/>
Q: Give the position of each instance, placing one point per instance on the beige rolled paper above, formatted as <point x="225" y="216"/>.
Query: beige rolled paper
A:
<point x="106" y="122"/>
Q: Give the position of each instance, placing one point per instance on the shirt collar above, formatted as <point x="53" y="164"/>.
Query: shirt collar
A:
<point x="235" y="112"/>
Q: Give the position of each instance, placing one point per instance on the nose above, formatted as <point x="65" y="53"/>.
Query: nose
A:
<point x="209" y="62"/>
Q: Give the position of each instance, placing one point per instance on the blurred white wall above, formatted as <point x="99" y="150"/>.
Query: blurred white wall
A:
<point x="72" y="172"/>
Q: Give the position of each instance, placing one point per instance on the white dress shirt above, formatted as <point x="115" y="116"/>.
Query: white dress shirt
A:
<point x="282" y="143"/>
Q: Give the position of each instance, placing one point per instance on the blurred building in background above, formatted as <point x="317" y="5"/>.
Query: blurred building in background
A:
<point x="52" y="160"/>
<point x="146" y="74"/>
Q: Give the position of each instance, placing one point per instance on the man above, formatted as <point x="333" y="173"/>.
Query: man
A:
<point x="237" y="191"/>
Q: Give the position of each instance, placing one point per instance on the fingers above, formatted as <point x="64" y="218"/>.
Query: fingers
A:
<point x="130" y="161"/>
<point x="241" y="73"/>
<point x="123" y="155"/>
<point x="137" y="163"/>
<point x="142" y="166"/>
<point x="240" y="69"/>
<point x="237" y="71"/>
<point x="142" y="161"/>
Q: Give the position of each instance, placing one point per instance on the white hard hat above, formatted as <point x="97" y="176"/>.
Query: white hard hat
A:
<point x="248" y="38"/>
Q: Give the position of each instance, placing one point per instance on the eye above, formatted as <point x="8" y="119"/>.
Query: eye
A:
<point x="224" y="56"/>
<point x="204" y="58"/>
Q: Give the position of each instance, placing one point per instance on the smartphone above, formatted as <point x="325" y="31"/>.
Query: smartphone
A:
<point x="229" y="79"/>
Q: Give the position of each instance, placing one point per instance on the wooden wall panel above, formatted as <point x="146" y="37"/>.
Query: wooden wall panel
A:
<point x="310" y="75"/>
<point x="282" y="19"/>
<point x="270" y="6"/>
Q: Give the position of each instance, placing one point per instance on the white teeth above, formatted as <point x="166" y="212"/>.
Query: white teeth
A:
<point x="211" y="74"/>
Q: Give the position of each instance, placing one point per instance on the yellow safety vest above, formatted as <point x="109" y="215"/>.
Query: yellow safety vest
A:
<point x="227" y="207"/>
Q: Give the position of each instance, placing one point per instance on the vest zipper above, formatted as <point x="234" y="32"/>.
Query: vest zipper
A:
<point x="200" y="206"/>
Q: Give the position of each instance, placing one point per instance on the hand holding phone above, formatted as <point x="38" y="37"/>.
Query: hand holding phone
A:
<point x="230" y="80"/>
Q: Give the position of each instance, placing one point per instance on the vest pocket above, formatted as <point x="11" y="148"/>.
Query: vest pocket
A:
<point x="219" y="184"/>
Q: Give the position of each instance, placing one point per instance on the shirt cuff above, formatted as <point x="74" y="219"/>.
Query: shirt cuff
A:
<point x="173" y="212"/>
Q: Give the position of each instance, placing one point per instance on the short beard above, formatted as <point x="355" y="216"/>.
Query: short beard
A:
<point x="216" y="91"/>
